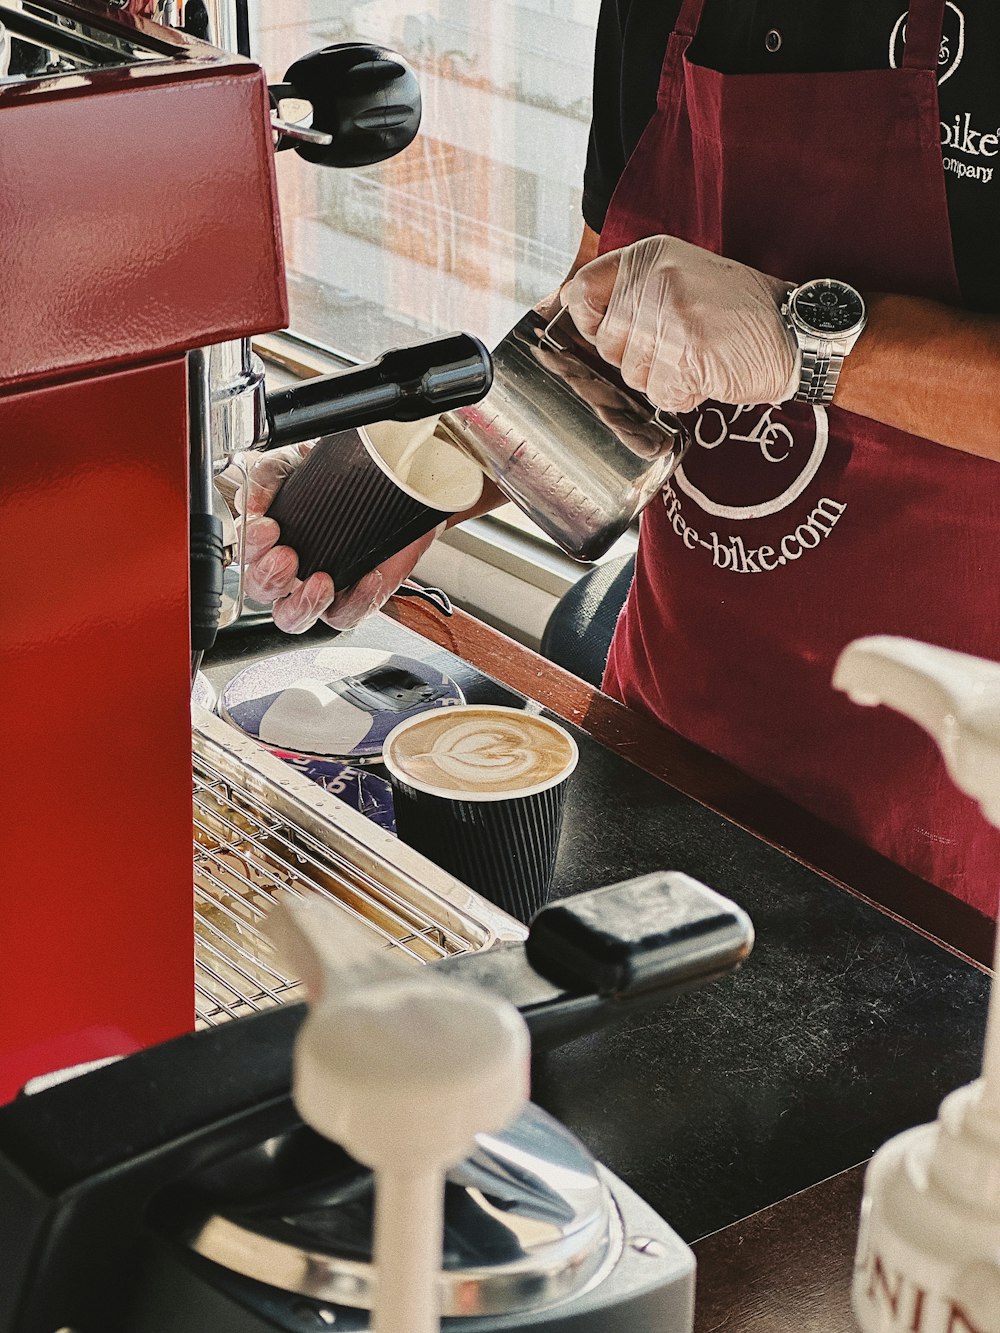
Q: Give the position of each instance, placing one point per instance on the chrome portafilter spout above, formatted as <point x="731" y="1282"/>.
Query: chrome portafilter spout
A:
<point x="238" y="424"/>
<point x="236" y="393"/>
<point x="227" y="418"/>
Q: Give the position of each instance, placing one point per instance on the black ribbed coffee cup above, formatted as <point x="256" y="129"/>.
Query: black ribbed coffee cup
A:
<point x="344" y="513"/>
<point x="502" y="844"/>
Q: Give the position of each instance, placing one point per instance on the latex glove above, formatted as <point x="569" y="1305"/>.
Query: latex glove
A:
<point x="684" y="325"/>
<point x="271" y="571"/>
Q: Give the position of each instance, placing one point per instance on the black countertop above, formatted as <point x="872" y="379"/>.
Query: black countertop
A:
<point x="843" y="1028"/>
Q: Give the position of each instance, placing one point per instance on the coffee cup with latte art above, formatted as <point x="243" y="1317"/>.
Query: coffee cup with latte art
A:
<point x="480" y="791"/>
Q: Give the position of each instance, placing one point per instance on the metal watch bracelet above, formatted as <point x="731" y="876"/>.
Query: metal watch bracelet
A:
<point x="820" y="372"/>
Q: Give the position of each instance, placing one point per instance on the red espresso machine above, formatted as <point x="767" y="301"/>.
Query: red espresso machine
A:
<point x="138" y="219"/>
<point x="140" y="251"/>
<point x="178" y="1189"/>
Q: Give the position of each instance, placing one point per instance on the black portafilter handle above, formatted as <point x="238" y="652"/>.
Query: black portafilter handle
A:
<point x="405" y="384"/>
<point x="592" y="959"/>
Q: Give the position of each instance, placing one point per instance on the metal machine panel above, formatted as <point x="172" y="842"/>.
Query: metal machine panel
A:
<point x="139" y="215"/>
<point x="97" y="938"/>
<point x="139" y="218"/>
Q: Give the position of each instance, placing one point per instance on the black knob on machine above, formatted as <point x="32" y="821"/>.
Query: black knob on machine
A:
<point x="365" y="97"/>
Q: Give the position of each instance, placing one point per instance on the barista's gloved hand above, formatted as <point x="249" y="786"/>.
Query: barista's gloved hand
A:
<point x="684" y="325"/>
<point x="271" y="573"/>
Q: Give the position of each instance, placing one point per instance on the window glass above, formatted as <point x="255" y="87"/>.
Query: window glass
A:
<point x="480" y="216"/>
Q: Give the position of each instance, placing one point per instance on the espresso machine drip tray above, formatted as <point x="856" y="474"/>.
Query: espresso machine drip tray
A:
<point x="263" y="831"/>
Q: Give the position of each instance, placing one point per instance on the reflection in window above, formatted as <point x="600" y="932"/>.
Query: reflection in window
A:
<point x="480" y="216"/>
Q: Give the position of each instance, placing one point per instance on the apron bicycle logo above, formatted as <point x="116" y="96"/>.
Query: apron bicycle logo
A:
<point x="775" y="463"/>
<point x="952" y="42"/>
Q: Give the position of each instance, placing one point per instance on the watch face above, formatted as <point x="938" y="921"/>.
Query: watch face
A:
<point x="828" y="306"/>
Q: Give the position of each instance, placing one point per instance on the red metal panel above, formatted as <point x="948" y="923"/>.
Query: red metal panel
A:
<point x="138" y="212"/>
<point x="96" y="944"/>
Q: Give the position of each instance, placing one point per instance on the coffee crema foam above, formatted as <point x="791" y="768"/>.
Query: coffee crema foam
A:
<point x="478" y="751"/>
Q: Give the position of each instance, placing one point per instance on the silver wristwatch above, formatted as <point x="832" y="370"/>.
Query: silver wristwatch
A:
<point x="826" y="318"/>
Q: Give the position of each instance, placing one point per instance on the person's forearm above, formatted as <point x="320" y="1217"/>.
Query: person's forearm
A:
<point x="589" y="243"/>
<point x="928" y="369"/>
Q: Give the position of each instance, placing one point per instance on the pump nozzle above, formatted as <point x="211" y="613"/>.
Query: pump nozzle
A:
<point x="402" y="1068"/>
<point x="954" y="697"/>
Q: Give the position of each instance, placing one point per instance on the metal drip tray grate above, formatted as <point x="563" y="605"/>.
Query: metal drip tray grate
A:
<point x="261" y="831"/>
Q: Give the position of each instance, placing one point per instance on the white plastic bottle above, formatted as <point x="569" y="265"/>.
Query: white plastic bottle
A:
<point x="928" y="1257"/>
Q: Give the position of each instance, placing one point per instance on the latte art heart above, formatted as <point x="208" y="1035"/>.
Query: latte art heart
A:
<point x="477" y="753"/>
<point x="480" y="751"/>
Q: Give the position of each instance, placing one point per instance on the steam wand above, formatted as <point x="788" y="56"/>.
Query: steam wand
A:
<point x="206" y="529"/>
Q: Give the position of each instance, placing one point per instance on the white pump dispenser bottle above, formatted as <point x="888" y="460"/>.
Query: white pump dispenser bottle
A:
<point x="928" y="1258"/>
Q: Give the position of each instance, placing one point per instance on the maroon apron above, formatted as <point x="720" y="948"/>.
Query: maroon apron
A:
<point x="790" y="531"/>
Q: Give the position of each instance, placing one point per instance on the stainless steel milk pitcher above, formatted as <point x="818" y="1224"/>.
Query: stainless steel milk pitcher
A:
<point x="565" y="438"/>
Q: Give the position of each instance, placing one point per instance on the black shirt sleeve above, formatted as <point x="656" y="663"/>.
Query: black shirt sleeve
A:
<point x="605" y="156"/>
<point x="631" y="42"/>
